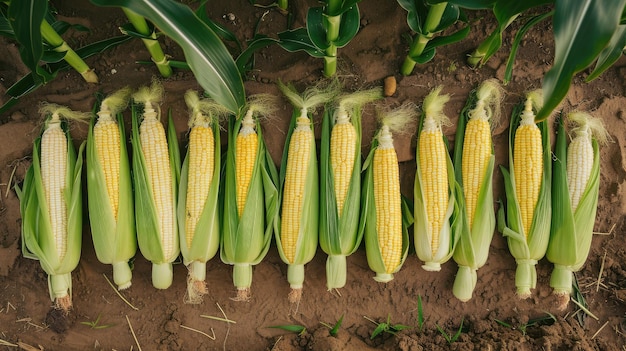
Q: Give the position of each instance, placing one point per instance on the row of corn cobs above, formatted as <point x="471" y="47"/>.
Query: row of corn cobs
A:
<point x="190" y="209"/>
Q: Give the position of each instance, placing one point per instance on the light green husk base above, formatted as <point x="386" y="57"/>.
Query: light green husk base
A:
<point x="432" y="266"/>
<point x="242" y="275"/>
<point x="122" y="275"/>
<point x="525" y="277"/>
<point x="60" y="287"/>
<point x="162" y="275"/>
<point x="295" y="275"/>
<point x="383" y="277"/>
<point x="336" y="268"/>
<point x="561" y="280"/>
<point x="464" y="283"/>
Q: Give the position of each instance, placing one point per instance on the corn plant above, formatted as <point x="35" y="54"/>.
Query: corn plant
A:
<point x="427" y="20"/>
<point x="328" y="28"/>
<point x="42" y="49"/>
<point x="205" y="53"/>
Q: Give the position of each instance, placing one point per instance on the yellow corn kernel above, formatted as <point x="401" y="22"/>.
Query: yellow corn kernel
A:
<point x="53" y="169"/>
<point x="246" y="148"/>
<point x="475" y="159"/>
<point x="107" y="140"/>
<point x="154" y="147"/>
<point x="201" y="168"/>
<point x="387" y="198"/>
<point x="342" y="153"/>
<point x="434" y="175"/>
<point x="295" y="181"/>
<point x="528" y="170"/>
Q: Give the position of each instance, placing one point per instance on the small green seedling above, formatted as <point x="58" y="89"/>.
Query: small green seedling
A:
<point x="294" y="328"/>
<point x="548" y="319"/>
<point x="386" y="327"/>
<point x="96" y="324"/>
<point x="335" y="328"/>
<point x="451" y="338"/>
<point x="420" y="314"/>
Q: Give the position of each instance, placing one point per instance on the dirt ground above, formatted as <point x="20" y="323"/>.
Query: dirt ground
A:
<point x="495" y="319"/>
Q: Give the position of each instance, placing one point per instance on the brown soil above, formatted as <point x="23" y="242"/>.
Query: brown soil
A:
<point x="162" y="319"/>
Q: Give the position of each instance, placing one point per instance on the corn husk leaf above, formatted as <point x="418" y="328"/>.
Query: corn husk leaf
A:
<point x="246" y="240"/>
<point x="472" y="248"/>
<point x="339" y="235"/>
<point x="114" y="239"/>
<point x="423" y="238"/>
<point x="527" y="251"/>
<point x="571" y="232"/>
<point x="37" y="239"/>
<point x="306" y="245"/>
<point x="206" y="238"/>
<point x="146" y="218"/>
<point x="368" y="222"/>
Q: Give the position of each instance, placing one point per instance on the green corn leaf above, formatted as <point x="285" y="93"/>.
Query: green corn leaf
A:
<point x="610" y="54"/>
<point x="29" y="82"/>
<point x="205" y="53"/>
<point x="350" y="23"/>
<point x="468" y="4"/>
<point x="508" y="73"/>
<point x="582" y="29"/>
<point x="299" y="40"/>
<point x="25" y="18"/>
<point x="219" y="29"/>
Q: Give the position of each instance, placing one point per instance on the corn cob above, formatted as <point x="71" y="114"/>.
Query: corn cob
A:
<point x="109" y="189"/>
<point x="574" y="200"/>
<point x="297" y="237"/>
<point x="528" y="207"/>
<point x="340" y="164"/>
<point x="386" y="221"/>
<point x="155" y="166"/>
<point x="198" y="216"/>
<point x="51" y="204"/>
<point x="474" y="171"/>
<point x="251" y="200"/>
<point x="434" y="187"/>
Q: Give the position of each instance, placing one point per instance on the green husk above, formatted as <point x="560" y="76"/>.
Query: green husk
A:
<point x="147" y="225"/>
<point x="246" y="240"/>
<point x="306" y="244"/>
<point x="571" y="232"/>
<point x="397" y="120"/>
<point x="473" y="247"/>
<point x="527" y="251"/>
<point x="37" y="238"/>
<point x="206" y="238"/>
<point x="339" y="235"/>
<point x="433" y="114"/>
<point x="114" y="239"/>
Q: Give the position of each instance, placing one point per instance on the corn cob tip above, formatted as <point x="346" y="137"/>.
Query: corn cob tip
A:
<point x="433" y="109"/>
<point x="116" y="102"/>
<point x="588" y="126"/>
<point x="398" y="120"/>
<point x="149" y="94"/>
<point x="534" y="100"/>
<point x="262" y="105"/>
<point x="56" y="112"/>
<point x="202" y="111"/>
<point x="489" y="98"/>
<point x="310" y="98"/>
<point x="356" y="99"/>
